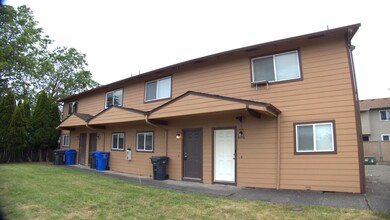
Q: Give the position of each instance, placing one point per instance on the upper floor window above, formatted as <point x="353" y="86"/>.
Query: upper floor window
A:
<point x="384" y="115"/>
<point x="158" y="89"/>
<point x="277" y="67"/>
<point x="72" y="107"/>
<point x="145" y="141"/>
<point x="316" y="137"/>
<point x="385" y="137"/>
<point x="114" y="98"/>
<point x="65" y="140"/>
<point x="118" y="141"/>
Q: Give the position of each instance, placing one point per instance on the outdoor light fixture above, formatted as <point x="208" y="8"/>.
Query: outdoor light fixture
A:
<point x="241" y="133"/>
<point x="241" y="130"/>
<point x="178" y="135"/>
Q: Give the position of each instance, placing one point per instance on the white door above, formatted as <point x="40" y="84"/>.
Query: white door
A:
<point x="224" y="155"/>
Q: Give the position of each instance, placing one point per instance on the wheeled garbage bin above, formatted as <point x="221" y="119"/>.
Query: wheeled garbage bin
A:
<point x="59" y="157"/>
<point x="159" y="165"/>
<point x="102" y="160"/>
<point x="70" y="157"/>
<point x="92" y="160"/>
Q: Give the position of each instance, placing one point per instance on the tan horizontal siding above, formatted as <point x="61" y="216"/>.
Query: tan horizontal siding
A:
<point x="73" y="120"/>
<point x="323" y="94"/>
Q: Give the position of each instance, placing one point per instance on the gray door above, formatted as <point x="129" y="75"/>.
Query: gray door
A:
<point x="82" y="148"/>
<point x="92" y="142"/>
<point x="192" y="154"/>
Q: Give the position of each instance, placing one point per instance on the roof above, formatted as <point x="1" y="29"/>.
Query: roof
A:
<point x="349" y="31"/>
<point x="368" y="104"/>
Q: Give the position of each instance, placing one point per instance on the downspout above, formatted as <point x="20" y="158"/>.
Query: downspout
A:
<point x="164" y="129"/>
<point x="104" y="135"/>
<point x="278" y="153"/>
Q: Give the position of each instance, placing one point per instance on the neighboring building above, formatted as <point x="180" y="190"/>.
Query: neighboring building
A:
<point x="280" y="115"/>
<point x="375" y="117"/>
<point x="375" y="120"/>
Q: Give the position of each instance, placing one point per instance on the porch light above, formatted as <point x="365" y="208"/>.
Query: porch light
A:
<point x="178" y="135"/>
<point x="241" y="133"/>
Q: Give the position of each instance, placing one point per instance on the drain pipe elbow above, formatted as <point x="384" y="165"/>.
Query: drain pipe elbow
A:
<point x="162" y="128"/>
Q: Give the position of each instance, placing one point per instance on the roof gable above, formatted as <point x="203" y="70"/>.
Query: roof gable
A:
<point x="192" y="103"/>
<point x="116" y="114"/>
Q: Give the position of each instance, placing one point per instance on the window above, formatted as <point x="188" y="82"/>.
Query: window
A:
<point x="318" y="137"/>
<point x="118" y="141"/>
<point x="158" y="89"/>
<point x="145" y="141"/>
<point x="384" y="115"/>
<point x="114" y="98"/>
<point x="72" y="107"/>
<point x="385" y="137"/>
<point x="366" y="138"/>
<point x="65" y="140"/>
<point x="278" y="67"/>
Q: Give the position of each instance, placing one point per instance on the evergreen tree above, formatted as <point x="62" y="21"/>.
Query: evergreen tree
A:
<point x="26" y="111"/>
<point x="41" y="124"/>
<point x="7" y="107"/>
<point x="18" y="131"/>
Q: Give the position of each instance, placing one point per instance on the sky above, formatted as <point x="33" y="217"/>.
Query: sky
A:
<point x="122" y="38"/>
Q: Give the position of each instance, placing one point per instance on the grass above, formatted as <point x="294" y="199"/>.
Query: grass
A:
<point x="39" y="191"/>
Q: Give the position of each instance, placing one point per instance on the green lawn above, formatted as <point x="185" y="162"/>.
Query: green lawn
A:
<point x="39" y="191"/>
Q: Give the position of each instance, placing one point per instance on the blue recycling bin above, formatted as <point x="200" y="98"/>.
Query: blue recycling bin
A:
<point x="70" y="157"/>
<point x="101" y="160"/>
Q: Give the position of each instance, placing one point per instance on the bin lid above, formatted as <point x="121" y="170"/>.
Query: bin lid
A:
<point x="70" y="151"/>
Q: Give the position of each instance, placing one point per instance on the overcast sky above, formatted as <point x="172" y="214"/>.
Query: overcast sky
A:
<point x="124" y="38"/>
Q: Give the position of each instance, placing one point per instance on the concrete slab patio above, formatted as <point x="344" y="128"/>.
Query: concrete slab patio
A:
<point x="376" y="198"/>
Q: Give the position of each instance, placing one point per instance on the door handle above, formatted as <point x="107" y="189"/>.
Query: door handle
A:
<point x="185" y="156"/>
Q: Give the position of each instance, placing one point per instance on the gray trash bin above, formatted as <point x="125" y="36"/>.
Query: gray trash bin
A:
<point x="159" y="165"/>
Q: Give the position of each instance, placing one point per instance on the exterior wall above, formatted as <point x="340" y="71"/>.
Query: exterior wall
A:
<point x="372" y="148"/>
<point x="325" y="93"/>
<point x="378" y="127"/>
<point x="365" y="119"/>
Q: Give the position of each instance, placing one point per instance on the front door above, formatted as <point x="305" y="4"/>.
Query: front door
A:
<point x="224" y="155"/>
<point x="82" y="148"/>
<point x="92" y="142"/>
<point x="192" y="154"/>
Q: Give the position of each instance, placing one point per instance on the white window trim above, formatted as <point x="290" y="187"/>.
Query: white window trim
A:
<point x="157" y="80"/>
<point x="144" y="150"/>
<point x="112" y="141"/>
<point x="73" y="110"/>
<point x="387" y="115"/>
<point x="63" y="140"/>
<point x="275" y="73"/>
<point x="113" y="91"/>
<point x="314" y="138"/>
<point x="382" y="135"/>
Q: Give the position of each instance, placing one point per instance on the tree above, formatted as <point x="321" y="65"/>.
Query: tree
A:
<point x="18" y="131"/>
<point x="21" y="43"/>
<point x="7" y="107"/>
<point x="63" y="72"/>
<point x="27" y="66"/>
<point x="41" y="125"/>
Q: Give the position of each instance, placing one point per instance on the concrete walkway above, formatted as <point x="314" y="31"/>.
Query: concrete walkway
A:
<point x="376" y="198"/>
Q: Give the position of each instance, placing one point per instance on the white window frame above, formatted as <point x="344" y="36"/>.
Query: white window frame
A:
<point x="382" y="136"/>
<point x="157" y="95"/>
<point x="274" y="65"/>
<point x="144" y="133"/>
<point x="117" y="134"/>
<point x="65" y="140"/>
<point x="113" y="95"/>
<point x="387" y="115"/>
<point x="314" y="138"/>
<point x="72" y="107"/>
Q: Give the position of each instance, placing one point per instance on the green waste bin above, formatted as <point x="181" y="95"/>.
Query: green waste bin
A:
<point x="369" y="160"/>
<point x="59" y="157"/>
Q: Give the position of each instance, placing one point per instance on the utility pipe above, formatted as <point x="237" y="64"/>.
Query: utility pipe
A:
<point x="162" y="128"/>
<point x="278" y="153"/>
